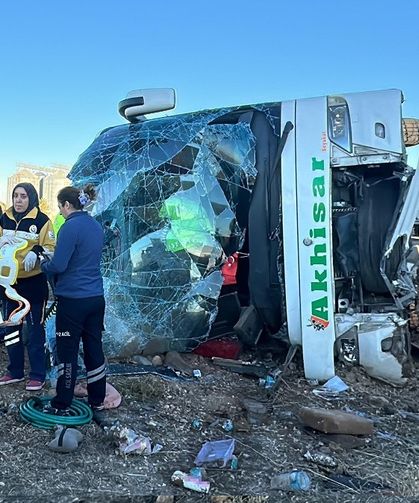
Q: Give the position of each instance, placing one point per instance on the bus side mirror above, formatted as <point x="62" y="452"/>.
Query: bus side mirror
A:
<point x="145" y="101"/>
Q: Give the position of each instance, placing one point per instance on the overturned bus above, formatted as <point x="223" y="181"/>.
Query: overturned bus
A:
<point x="310" y="202"/>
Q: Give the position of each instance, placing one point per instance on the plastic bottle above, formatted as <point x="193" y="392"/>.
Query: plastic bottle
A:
<point x="198" y="472"/>
<point x="297" y="480"/>
<point x="234" y="464"/>
<point x="267" y="382"/>
<point x="197" y="424"/>
<point x="227" y="425"/>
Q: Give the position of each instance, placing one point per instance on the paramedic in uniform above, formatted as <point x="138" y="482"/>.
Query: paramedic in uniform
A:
<point x="25" y="220"/>
<point x="80" y="302"/>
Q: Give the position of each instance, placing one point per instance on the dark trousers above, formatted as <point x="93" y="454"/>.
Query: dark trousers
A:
<point x="80" y="319"/>
<point x="35" y="344"/>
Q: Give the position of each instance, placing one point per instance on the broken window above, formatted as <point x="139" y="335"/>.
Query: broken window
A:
<point x="169" y="194"/>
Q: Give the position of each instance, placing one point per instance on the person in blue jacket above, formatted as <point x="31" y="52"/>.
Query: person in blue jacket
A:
<point x="80" y="301"/>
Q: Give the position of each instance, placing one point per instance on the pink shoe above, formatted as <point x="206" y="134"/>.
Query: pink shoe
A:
<point x="34" y="385"/>
<point x="8" y="379"/>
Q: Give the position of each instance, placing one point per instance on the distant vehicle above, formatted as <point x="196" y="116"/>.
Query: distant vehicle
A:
<point x="314" y="196"/>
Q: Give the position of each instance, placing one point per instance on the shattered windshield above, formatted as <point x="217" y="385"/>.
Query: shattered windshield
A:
<point x="169" y="194"/>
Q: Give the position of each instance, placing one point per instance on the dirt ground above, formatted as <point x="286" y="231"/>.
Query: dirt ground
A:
<point x="388" y="462"/>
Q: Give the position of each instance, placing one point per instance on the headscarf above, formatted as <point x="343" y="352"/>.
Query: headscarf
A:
<point x="32" y="196"/>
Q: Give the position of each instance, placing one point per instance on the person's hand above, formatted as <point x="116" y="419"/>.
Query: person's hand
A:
<point x="45" y="257"/>
<point x="29" y="261"/>
<point x="8" y="240"/>
<point x="46" y="254"/>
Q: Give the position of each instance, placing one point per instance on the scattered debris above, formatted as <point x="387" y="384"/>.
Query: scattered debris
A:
<point x="249" y="327"/>
<point x="241" y="367"/>
<point x="234" y="464"/>
<point x="65" y="440"/>
<point x="127" y="369"/>
<point x="384" y="348"/>
<point x="130" y="442"/>
<point x="156" y="448"/>
<point x="332" y="389"/>
<point x="319" y="458"/>
<point x="267" y="382"/>
<point x="267" y="436"/>
<point x="197" y="424"/>
<point x="227" y="425"/>
<point x="335" y="421"/>
<point x="297" y="480"/>
<point x="198" y="472"/>
<point x="219" y="450"/>
<point x="187" y="481"/>
<point x="288" y="363"/>
<point x="197" y="373"/>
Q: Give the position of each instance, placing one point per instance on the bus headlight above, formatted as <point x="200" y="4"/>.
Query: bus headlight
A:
<point x="339" y="122"/>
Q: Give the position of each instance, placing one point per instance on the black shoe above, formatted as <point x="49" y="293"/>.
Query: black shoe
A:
<point x="99" y="415"/>
<point x="53" y="411"/>
<point x="97" y="407"/>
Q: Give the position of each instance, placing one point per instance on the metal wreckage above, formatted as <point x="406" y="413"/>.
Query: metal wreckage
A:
<point x="311" y="202"/>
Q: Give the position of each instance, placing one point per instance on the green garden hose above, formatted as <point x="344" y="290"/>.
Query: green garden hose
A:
<point x="31" y="412"/>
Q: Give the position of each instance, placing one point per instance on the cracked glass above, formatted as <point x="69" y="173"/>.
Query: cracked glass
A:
<point x="168" y="194"/>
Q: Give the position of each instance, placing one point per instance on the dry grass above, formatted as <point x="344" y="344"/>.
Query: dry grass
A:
<point x="148" y="388"/>
<point x="164" y="410"/>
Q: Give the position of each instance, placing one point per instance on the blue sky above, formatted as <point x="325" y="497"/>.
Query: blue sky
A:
<point x="65" y="65"/>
